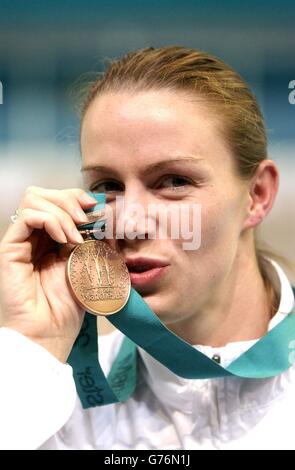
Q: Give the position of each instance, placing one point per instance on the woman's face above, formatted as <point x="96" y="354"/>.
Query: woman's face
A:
<point x="165" y="147"/>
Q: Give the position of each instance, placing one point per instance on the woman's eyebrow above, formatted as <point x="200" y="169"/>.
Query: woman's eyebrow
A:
<point x="98" y="168"/>
<point x="149" y="168"/>
<point x="166" y="163"/>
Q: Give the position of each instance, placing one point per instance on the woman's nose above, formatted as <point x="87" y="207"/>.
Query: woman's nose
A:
<point x="130" y="217"/>
<point x="131" y="214"/>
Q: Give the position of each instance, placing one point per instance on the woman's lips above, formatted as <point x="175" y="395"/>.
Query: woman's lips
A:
<point x="145" y="271"/>
<point x="146" y="277"/>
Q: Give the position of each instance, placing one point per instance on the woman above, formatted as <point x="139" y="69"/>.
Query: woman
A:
<point x="166" y="126"/>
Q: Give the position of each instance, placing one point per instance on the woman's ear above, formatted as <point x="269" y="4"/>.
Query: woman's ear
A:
<point x="262" y="191"/>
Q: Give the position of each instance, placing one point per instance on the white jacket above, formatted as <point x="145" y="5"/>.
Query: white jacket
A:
<point x="39" y="407"/>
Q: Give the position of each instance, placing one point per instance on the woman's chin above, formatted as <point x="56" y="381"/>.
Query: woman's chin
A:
<point x="161" y="307"/>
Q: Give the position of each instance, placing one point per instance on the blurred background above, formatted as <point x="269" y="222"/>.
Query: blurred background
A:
<point x="46" y="46"/>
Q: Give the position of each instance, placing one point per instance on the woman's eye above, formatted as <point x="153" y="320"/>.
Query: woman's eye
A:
<point x="174" y="182"/>
<point x="106" y="187"/>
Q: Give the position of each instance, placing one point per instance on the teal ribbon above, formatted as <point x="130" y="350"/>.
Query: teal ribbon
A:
<point x="268" y="357"/>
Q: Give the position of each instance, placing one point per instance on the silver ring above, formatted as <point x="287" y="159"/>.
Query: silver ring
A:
<point x="15" y="216"/>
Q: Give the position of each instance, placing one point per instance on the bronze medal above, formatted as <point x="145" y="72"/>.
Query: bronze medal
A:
<point x="98" y="277"/>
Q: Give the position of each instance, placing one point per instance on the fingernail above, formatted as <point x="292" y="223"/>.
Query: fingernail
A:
<point x="77" y="236"/>
<point x="82" y="217"/>
<point x="63" y="238"/>
<point x="88" y="199"/>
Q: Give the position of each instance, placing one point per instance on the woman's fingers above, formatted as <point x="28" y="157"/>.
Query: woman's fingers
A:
<point x="67" y="221"/>
<point x="72" y="201"/>
<point x="31" y="219"/>
<point x="64" y="209"/>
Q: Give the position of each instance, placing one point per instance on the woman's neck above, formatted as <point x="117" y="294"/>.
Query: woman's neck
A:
<point x="239" y="311"/>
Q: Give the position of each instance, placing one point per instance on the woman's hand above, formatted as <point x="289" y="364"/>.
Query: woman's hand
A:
<point x="35" y="298"/>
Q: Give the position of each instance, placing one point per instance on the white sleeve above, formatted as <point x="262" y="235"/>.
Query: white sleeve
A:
<point x="37" y="392"/>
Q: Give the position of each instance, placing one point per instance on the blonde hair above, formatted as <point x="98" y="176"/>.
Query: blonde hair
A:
<point x="182" y="69"/>
<point x="194" y="71"/>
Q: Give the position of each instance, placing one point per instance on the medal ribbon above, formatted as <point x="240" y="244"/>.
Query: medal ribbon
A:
<point x="269" y="356"/>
